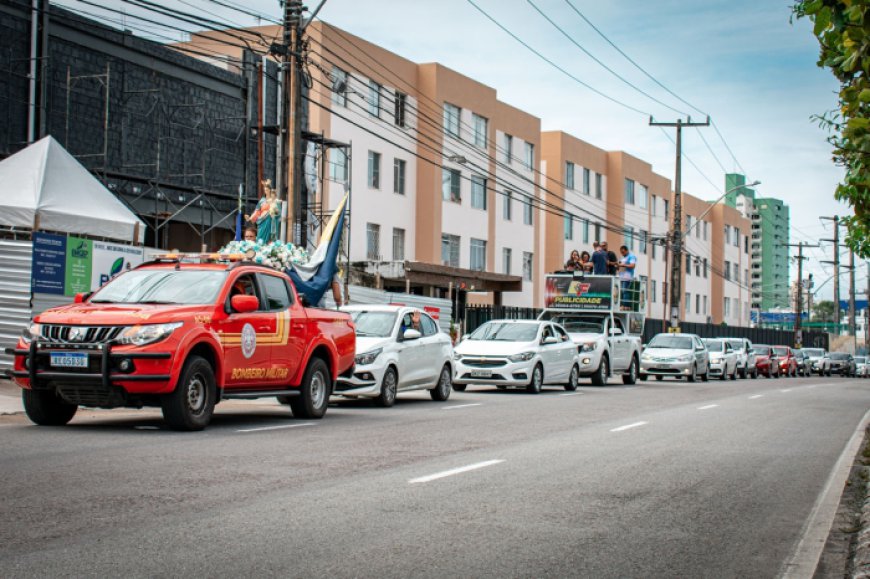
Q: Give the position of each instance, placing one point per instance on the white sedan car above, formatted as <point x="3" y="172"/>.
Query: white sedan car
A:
<point x="398" y="349"/>
<point x="517" y="353"/>
<point x="723" y="359"/>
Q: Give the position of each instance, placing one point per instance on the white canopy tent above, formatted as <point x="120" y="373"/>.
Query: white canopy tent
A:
<point x="44" y="187"/>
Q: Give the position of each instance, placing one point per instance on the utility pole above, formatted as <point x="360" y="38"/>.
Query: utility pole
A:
<point x="867" y="313"/>
<point x="836" y="263"/>
<point x="799" y="294"/>
<point x="292" y="107"/>
<point x="852" y="321"/>
<point x="676" y="225"/>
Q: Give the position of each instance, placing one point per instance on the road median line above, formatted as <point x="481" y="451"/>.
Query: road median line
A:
<point x="629" y="426"/>
<point x="461" y="406"/>
<point x="455" y="471"/>
<point x="279" y="427"/>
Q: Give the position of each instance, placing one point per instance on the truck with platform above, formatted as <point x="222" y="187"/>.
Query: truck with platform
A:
<point x="182" y="333"/>
<point x="605" y="319"/>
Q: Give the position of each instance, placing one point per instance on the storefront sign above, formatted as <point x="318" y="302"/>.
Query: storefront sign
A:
<point x="567" y="292"/>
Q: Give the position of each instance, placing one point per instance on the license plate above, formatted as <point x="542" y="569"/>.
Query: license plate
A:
<point x="481" y="373"/>
<point x="69" y="360"/>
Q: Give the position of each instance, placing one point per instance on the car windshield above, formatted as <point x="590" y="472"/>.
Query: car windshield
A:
<point x="736" y="344"/>
<point x="860" y="360"/>
<point x="762" y="350"/>
<point x="162" y="286"/>
<point x="673" y="342"/>
<point x="780" y="350"/>
<point x="505" y="332"/>
<point x="581" y="325"/>
<point x="714" y="345"/>
<point x="814" y="352"/>
<point x="839" y="356"/>
<point x="373" y="324"/>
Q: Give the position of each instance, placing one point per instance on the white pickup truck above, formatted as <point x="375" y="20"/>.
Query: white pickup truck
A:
<point x="606" y="326"/>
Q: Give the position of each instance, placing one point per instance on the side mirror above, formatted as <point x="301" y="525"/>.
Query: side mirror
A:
<point x="550" y="340"/>
<point x="615" y="332"/>
<point x="244" y="304"/>
<point x="81" y="297"/>
<point x="751" y="351"/>
<point x="411" y="334"/>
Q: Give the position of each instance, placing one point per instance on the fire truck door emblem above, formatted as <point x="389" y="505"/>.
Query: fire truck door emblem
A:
<point x="249" y="341"/>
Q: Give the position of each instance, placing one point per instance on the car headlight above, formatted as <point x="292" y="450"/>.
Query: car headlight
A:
<point x="522" y="357"/>
<point x="33" y="332"/>
<point x="367" y="358"/>
<point x="146" y="334"/>
<point x="646" y="357"/>
<point x="715" y="359"/>
<point x="587" y="347"/>
<point x="684" y="357"/>
<point x="457" y="356"/>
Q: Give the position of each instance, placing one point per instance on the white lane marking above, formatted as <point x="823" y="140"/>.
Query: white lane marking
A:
<point x="277" y="427"/>
<point x="453" y="471"/>
<point x="805" y="557"/>
<point x="785" y="390"/>
<point x="756" y="396"/>
<point x="627" y="426"/>
<point x="708" y="407"/>
<point x="146" y="427"/>
<point x="460" y="406"/>
<point x="571" y="394"/>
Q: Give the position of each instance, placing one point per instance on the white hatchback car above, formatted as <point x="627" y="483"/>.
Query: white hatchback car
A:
<point x="517" y="353"/>
<point x="396" y="354"/>
<point x="724" y="361"/>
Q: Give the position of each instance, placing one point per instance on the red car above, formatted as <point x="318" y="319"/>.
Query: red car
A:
<point x="788" y="365"/>
<point x="766" y="361"/>
<point x="183" y="336"/>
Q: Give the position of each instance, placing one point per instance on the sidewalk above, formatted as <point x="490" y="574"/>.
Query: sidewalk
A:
<point x="10" y="398"/>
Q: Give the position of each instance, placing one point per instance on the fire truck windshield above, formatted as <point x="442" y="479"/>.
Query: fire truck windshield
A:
<point x="162" y="286"/>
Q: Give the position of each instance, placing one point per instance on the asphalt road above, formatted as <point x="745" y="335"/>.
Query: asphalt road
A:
<point x="665" y="479"/>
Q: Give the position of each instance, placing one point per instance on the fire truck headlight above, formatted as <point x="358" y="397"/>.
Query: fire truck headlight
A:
<point x="146" y="334"/>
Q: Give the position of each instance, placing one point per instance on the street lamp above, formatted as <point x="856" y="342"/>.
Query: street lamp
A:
<point x="710" y="208"/>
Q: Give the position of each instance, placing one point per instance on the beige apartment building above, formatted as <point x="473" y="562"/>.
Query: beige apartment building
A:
<point x="452" y="186"/>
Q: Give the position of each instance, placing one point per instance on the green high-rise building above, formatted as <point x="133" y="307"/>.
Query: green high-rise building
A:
<point x="769" y="244"/>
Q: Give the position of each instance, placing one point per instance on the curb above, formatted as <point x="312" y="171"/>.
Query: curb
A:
<point x="861" y="563"/>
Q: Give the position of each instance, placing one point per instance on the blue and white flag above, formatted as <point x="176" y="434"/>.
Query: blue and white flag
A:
<point x="313" y="278"/>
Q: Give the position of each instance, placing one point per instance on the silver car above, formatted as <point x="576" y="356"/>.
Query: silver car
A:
<point x="818" y="361"/>
<point x="676" y="355"/>
<point x="723" y="359"/>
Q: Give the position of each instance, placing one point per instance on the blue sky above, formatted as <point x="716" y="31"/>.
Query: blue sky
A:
<point x="741" y="61"/>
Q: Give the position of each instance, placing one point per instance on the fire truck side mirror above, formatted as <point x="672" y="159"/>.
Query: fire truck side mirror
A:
<point x="81" y="297"/>
<point x="244" y="304"/>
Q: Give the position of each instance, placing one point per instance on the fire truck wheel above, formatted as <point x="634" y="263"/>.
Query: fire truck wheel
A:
<point x="441" y="392"/>
<point x="316" y="388"/>
<point x="46" y="408"/>
<point x="191" y="405"/>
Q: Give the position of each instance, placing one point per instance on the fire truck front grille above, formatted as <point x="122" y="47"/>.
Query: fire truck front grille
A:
<point x="56" y="334"/>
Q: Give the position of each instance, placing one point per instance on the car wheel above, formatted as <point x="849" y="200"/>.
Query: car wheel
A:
<point x="459" y="387"/>
<point x="191" y="405"/>
<point x="643" y="377"/>
<point x="389" y="387"/>
<point x="724" y="375"/>
<point x="660" y="378"/>
<point x="694" y="375"/>
<point x="537" y="380"/>
<point x="573" y="379"/>
<point x="755" y="373"/>
<point x="631" y="376"/>
<point x="743" y="373"/>
<point x="316" y="388"/>
<point x="734" y="373"/>
<point x="441" y="392"/>
<point x="45" y="408"/>
<point x="600" y="376"/>
<point x="705" y="377"/>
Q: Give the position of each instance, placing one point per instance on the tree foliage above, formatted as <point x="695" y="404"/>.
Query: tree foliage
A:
<point x="823" y="311"/>
<point x="843" y="30"/>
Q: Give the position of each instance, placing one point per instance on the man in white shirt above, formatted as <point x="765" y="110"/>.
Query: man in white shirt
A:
<point x="627" y="264"/>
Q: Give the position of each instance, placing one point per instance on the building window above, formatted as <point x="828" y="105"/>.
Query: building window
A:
<point x="628" y="237"/>
<point x="508" y="148"/>
<point x="506" y="260"/>
<point x="652" y="206"/>
<point x="727" y="270"/>
<point x="737" y="237"/>
<point x="399" y="109"/>
<point x="697" y="303"/>
<point x="339" y="87"/>
<point x="653" y="247"/>
<point x="585" y="231"/>
<point x="688" y="264"/>
<point x="705" y="305"/>
<point x="527" y="210"/>
<point x="598" y="232"/>
<point x="398" y="244"/>
<point x="450" y="250"/>
<point x="478" y="254"/>
<point x="652" y="290"/>
<point x="698" y="267"/>
<point x="399" y="176"/>
<point x="727" y="234"/>
<point x="507" y="205"/>
<point x="737" y="272"/>
<point x="480" y="130"/>
<point x="599" y="185"/>
<point x="451" y="119"/>
<point x="529" y="157"/>
<point x="338" y="165"/>
<point x="667" y="210"/>
<point x="374" y="170"/>
<point x="704" y="226"/>
<point x="641" y="241"/>
<point x="688" y="225"/>
<point x="373" y="241"/>
<point x="642" y="193"/>
<point x="478" y="192"/>
<point x="569" y="175"/>
<point x="727" y="308"/>
<point x="374" y="99"/>
<point x="527" y="266"/>
<point x="705" y="267"/>
<point x="688" y="302"/>
<point x="745" y="244"/>
<point x="586" y="175"/>
<point x="450" y="185"/>
<point x="568" y="226"/>
<point x="629" y="192"/>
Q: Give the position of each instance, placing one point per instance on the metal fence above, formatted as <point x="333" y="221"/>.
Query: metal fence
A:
<point x="477" y="315"/>
<point x="15" y="265"/>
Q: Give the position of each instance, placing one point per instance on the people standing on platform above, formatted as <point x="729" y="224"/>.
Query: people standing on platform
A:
<point x="599" y="260"/>
<point x="628" y="292"/>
